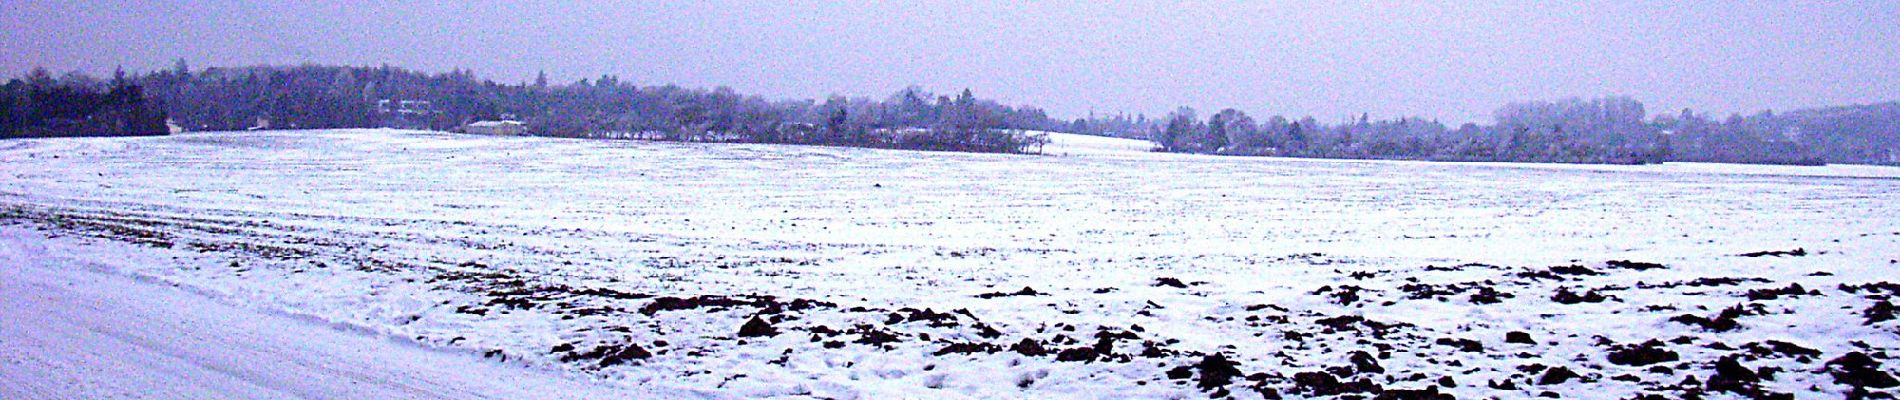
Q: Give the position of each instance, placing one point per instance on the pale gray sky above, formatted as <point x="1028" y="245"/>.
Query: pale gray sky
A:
<point x="1455" y="61"/>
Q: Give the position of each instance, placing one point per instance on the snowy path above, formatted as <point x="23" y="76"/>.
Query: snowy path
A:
<point x="70" y="332"/>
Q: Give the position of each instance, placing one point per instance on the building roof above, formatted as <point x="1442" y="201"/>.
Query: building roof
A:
<point x="493" y="124"/>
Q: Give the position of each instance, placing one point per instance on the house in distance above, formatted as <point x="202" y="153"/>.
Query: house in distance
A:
<point x="505" y="127"/>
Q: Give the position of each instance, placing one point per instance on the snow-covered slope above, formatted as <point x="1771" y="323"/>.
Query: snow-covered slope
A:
<point x="71" y="331"/>
<point x="1064" y="144"/>
<point x="1096" y="273"/>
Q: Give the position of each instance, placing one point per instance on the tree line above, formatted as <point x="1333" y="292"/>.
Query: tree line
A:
<point x="322" y="97"/>
<point x="1614" y="130"/>
<point x="37" y="105"/>
<point x="1601" y="130"/>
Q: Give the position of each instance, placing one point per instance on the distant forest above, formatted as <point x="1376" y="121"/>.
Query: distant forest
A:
<point x="1614" y="130"/>
<point x="38" y="105"/>
<point x="313" y="97"/>
<point x="1604" y="130"/>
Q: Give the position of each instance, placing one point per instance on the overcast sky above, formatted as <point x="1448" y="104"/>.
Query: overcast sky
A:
<point x="1453" y="61"/>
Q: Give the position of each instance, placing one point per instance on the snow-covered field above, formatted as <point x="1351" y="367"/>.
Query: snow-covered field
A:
<point x="1098" y="271"/>
<point x="74" y="332"/>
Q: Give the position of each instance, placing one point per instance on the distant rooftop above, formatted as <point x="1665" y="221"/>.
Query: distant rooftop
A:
<point x="489" y="124"/>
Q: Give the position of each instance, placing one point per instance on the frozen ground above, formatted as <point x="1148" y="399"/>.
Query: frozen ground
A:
<point x="1098" y="271"/>
<point x="71" y="332"/>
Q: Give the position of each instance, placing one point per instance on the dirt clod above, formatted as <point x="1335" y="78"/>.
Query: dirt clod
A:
<point x="756" y="327"/>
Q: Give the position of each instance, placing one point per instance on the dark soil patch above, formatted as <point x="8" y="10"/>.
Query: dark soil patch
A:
<point x="1557" y="376"/>
<point x="1722" y="322"/>
<point x="1574" y="270"/>
<point x="114" y="228"/>
<point x="1731" y="376"/>
<point x="756" y="327"/>
<point x="1633" y="265"/>
<point x="1487" y="295"/>
<point x="609" y="293"/>
<point x="871" y="335"/>
<point x="1879" y="312"/>
<point x="1460" y="267"/>
<point x="507" y="289"/>
<point x="1465" y="345"/>
<point x="1345" y="295"/>
<point x="260" y="250"/>
<point x="1428" y="393"/>
<point x="607" y="355"/>
<point x="1797" y="252"/>
<point x="1504" y="385"/>
<point x="1105" y="342"/>
<point x="1861" y="371"/>
<point x="1354" y="323"/>
<point x="765" y="303"/>
<point x="1775" y="347"/>
<point x="1422" y="291"/>
<point x="1645" y="353"/>
<point x="1701" y="282"/>
<point x="1878" y="290"/>
<point x="1026" y="291"/>
<point x="1324" y="384"/>
<point x="1216" y="371"/>
<point x="1078" y="354"/>
<point x="1029" y="347"/>
<point x="968" y="348"/>
<point x="1484" y="293"/>
<point x="1363" y="362"/>
<point x="1793" y="289"/>
<point x="930" y="317"/>
<point x="1542" y="274"/>
<point x="1565" y="296"/>
<point x="1258" y="307"/>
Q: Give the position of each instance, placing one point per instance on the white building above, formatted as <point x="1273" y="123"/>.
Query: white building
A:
<point x="502" y="128"/>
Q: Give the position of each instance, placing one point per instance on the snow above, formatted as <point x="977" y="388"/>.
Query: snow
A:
<point x="500" y="245"/>
<point x="1062" y="144"/>
<point x="73" y="331"/>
